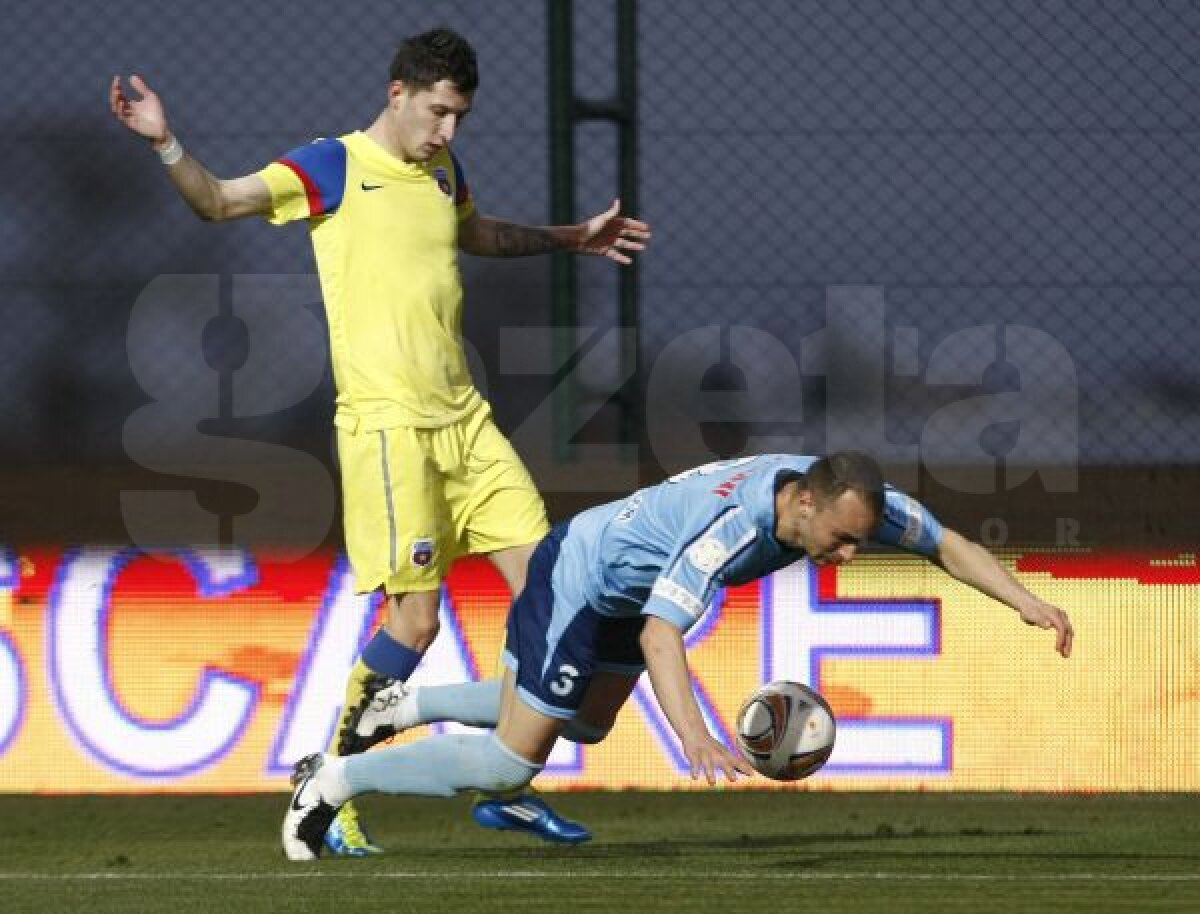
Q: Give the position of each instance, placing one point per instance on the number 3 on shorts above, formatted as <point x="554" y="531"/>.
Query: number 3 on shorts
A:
<point x="565" y="683"/>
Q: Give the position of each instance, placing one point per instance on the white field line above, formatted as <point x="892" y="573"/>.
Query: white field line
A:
<point x="533" y="875"/>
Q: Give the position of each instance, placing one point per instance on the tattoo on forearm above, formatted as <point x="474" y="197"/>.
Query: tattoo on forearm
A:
<point x="509" y="240"/>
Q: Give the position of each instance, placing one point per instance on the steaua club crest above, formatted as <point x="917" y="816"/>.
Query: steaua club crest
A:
<point x="422" y="552"/>
<point x="443" y="181"/>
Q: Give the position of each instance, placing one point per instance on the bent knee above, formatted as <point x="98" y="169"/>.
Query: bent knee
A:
<point x="422" y="636"/>
<point x="582" y="731"/>
<point x="502" y="769"/>
<point x="503" y="783"/>
<point x="413" y="619"/>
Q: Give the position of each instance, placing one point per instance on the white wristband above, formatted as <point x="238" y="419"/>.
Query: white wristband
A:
<point x="171" y="153"/>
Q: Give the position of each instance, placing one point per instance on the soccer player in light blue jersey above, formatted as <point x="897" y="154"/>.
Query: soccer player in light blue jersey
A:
<point x="611" y="593"/>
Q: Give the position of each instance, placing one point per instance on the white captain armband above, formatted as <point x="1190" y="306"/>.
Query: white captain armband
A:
<point x="680" y="596"/>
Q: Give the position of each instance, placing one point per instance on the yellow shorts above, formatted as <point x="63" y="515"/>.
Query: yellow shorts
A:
<point x="414" y="499"/>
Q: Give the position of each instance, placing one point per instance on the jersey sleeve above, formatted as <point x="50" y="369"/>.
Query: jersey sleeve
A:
<point x="307" y="182"/>
<point x="464" y="203"/>
<point x="695" y="569"/>
<point x="908" y="525"/>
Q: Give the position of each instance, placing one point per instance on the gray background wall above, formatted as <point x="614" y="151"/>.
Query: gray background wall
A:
<point x="843" y="194"/>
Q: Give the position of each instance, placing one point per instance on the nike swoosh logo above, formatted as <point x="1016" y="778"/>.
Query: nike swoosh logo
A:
<point x="366" y="186"/>
<point x="296" y="795"/>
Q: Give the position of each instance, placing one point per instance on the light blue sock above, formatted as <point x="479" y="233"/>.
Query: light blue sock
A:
<point x="476" y="704"/>
<point x="439" y="766"/>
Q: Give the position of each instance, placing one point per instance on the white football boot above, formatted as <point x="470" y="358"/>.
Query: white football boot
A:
<point x="308" y="816"/>
<point x="384" y="711"/>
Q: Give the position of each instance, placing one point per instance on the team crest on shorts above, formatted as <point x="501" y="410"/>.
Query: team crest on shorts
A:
<point x="443" y="181"/>
<point x="422" y="552"/>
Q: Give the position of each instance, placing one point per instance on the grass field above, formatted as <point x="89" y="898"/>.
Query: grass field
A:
<point x="719" y="851"/>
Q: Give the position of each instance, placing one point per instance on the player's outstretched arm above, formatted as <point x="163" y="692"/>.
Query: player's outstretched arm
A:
<point x="211" y="198"/>
<point x="608" y="234"/>
<point x="666" y="662"/>
<point x="972" y="564"/>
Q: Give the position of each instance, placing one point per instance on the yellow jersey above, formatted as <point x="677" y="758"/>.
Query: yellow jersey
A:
<point x="385" y="235"/>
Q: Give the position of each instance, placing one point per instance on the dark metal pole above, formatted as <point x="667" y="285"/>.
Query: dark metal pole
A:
<point x="627" y="180"/>
<point x="563" y="285"/>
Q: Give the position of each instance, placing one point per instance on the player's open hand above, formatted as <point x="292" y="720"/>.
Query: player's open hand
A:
<point x="143" y="115"/>
<point x="710" y="759"/>
<point x="1043" y="615"/>
<point x="610" y="235"/>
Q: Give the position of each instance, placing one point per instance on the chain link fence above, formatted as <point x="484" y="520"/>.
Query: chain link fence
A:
<point x="90" y="221"/>
<point x="952" y="233"/>
<point x="1027" y="167"/>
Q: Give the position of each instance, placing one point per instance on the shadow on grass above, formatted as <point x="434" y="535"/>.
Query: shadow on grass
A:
<point x="831" y="846"/>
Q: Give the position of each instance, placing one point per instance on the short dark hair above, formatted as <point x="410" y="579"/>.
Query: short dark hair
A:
<point x="848" y="471"/>
<point x="428" y="58"/>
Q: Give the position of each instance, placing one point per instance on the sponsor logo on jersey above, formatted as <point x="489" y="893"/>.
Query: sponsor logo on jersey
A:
<point x="726" y="488"/>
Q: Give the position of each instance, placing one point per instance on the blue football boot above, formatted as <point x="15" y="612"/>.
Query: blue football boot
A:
<point x="530" y="814"/>
<point x="346" y="837"/>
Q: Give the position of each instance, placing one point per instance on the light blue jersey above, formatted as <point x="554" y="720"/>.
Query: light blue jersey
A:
<point x="663" y="551"/>
<point x="666" y="550"/>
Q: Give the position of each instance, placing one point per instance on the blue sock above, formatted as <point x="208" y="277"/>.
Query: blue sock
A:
<point x="438" y="766"/>
<point x="388" y="657"/>
<point x="476" y="704"/>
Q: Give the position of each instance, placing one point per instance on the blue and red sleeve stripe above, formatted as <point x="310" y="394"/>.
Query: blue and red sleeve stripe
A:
<point x="321" y="168"/>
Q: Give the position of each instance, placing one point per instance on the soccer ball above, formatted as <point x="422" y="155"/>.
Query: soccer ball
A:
<point x="786" y="730"/>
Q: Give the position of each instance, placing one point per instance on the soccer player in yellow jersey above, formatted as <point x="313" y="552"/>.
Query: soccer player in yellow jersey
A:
<point x="426" y="476"/>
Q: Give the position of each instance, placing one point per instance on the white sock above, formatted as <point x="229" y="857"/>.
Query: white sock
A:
<point x="331" y="781"/>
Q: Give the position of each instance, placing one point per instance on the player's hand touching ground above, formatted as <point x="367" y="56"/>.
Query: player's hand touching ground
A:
<point x="610" y="235"/>
<point x="1043" y="615"/>
<point x="710" y="759"/>
<point x="143" y="115"/>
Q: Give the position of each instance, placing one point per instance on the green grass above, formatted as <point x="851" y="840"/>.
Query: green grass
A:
<point x="718" y="851"/>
